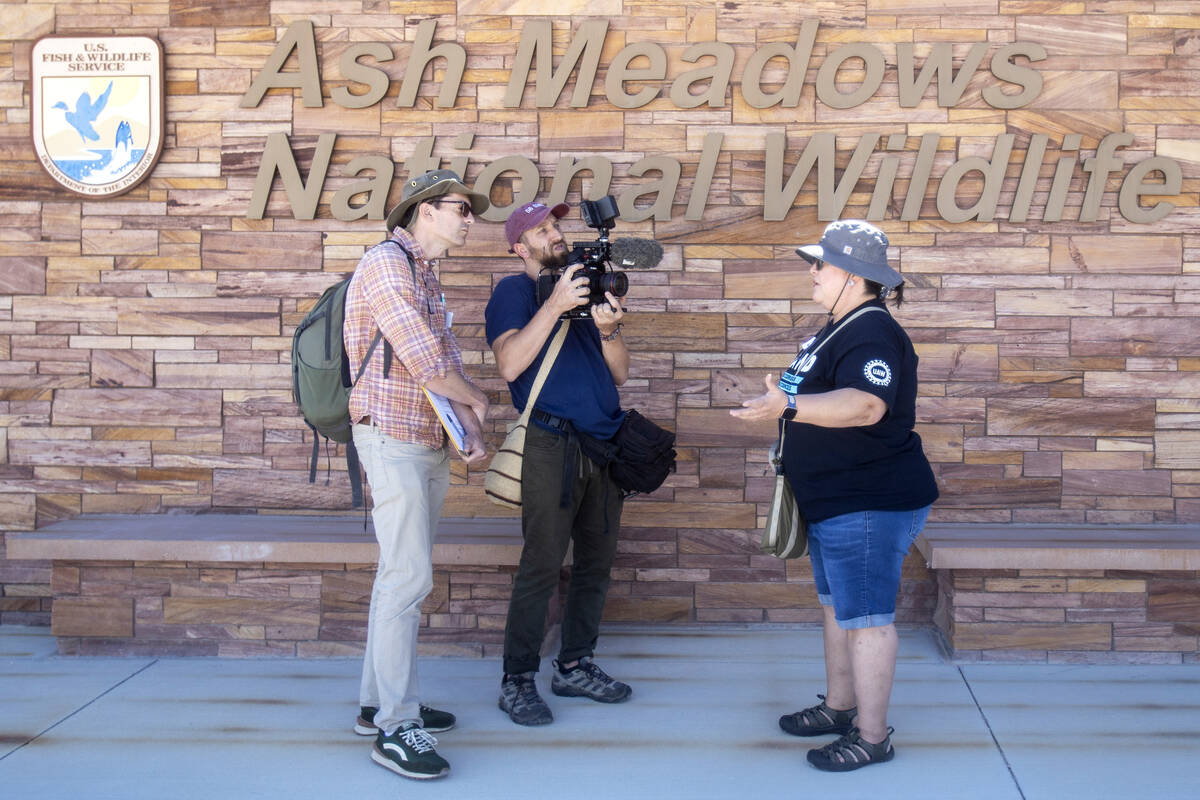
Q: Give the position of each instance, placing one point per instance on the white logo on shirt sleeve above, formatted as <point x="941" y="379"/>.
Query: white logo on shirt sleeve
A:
<point x="878" y="372"/>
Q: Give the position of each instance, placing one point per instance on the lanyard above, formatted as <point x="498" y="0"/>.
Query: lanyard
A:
<point x="794" y="375"/>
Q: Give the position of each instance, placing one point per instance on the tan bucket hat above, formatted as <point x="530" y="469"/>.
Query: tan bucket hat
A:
<point x="428" y="186"/>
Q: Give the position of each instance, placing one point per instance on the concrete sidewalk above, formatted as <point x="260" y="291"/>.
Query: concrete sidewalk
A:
<point x="701" y="724"/>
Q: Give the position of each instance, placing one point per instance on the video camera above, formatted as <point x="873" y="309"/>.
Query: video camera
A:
<point x="597" y="258"/>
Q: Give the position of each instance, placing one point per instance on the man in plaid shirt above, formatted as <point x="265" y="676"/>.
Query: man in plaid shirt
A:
<point x="403" y="448"/>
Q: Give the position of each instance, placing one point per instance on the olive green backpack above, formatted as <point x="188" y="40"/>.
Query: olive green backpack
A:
<point x="321" y="380"/>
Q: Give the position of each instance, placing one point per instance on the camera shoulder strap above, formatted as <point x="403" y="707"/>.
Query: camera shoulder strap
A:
<point x="544" y="370"/>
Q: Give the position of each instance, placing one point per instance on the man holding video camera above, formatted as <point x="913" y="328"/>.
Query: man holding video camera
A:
<point x="575" y="500"/>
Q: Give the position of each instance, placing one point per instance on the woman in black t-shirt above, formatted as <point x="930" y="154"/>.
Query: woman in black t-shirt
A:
<point x="861" y="480"/>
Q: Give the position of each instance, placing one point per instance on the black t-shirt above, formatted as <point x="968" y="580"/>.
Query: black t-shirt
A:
<point x="878" y="467"/>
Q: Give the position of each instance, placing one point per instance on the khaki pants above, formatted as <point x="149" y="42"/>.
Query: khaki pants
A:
<point x="408" y="484"/>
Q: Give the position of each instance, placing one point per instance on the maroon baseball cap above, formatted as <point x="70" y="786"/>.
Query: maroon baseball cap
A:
<point x="529" y="216"/>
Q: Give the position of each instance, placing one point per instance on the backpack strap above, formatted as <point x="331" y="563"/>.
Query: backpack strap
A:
<point x="367" y="358"/>
<point x="354" y="467"/>
<point x="387" y="346"/>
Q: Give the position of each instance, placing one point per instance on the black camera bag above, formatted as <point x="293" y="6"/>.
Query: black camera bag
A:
<point x="645" y="455"/>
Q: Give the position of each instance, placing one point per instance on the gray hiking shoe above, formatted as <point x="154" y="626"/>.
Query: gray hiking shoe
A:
<point x="409" y="752"/>
<point x="519" y="699"/>
<point x="588" y="680"/>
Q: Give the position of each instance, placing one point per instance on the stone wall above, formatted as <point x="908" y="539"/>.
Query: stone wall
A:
<point x="243" y="610"/>
<point x="264" y="609"/>
<point x="144" y="338"/>
<point x="1070" y="616"/>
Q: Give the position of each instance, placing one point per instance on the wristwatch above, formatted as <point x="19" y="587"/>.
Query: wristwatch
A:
<point x="789" y="413"/>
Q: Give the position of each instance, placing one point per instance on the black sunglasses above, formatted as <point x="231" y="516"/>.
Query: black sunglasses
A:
<point x="464" y="207"/>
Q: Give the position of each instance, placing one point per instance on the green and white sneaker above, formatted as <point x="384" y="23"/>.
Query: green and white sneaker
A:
<point x="410" y="752"/>
<point x="432" y="720"/>
<point x="586" y="679"/>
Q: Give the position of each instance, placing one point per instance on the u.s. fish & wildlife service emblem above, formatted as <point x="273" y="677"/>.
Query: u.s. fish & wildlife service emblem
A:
<point x="98" y="110"/>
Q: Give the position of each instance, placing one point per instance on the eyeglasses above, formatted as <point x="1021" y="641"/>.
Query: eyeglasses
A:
<point x="464" y="207"/>
<point x="817" y="264"/>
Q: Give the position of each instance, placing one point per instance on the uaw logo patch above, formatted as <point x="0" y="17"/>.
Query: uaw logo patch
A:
<point x="878" y="372"/>
<point x="98" y="110"/>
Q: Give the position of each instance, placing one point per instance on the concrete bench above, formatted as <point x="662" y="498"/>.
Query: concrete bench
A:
<point x="1062" y="593"/>
<point x="258" y="584"/>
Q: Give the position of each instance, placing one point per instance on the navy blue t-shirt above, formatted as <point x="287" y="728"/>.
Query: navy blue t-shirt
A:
<point x="580" y="385"/>
<point x="878" y="467"/>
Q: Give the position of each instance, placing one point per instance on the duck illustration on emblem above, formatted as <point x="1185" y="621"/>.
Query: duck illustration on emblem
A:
<point x="85" y="113"/>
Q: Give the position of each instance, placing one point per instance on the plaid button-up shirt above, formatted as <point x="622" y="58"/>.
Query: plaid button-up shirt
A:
<point x="412" y="315"/>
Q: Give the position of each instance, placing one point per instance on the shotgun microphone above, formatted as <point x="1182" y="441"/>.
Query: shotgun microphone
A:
<point x="632" y="253"/>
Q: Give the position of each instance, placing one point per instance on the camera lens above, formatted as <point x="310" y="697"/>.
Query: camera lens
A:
<point x="615" y="282"/>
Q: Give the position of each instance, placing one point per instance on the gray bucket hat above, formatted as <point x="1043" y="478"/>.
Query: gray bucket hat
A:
<point x="857" y="247"/>
<point x="428" y="186"/>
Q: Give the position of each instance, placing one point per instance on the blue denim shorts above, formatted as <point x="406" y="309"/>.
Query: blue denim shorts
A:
<point x="856" y="560"/>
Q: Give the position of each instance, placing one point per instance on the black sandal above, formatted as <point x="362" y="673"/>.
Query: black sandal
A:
<point x="851" y="752"/>
<point x="818" y="720"/>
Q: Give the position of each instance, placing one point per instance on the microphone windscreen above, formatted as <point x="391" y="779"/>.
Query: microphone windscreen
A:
<point x="632" y="253"/>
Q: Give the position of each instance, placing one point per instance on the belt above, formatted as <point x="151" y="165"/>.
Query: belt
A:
<point x="365" y="420"/>
<point x="551" y="420"/>
<point x="573" y="453"/>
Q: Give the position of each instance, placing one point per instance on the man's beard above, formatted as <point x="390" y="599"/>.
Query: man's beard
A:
<point x="550" y="259"/>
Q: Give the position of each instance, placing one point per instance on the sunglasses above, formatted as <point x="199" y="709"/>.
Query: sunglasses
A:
<point x="464" y="207"/>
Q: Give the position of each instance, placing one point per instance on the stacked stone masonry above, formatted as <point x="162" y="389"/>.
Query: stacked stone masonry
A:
<point x="249" y="610"/>
<point x="122" y="586"/>
<point x="320" y="610"/>
<point x="144" y="338"/>
<point x="1071" y="616"/>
